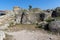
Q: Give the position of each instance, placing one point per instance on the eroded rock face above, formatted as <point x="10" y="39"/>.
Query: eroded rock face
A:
<point x="56" y="12"/>
<point x="24" y="19"/>
<point x="15" y="17"/>
<point x="55" y="26"/>
<point x="5" y="20"/>
<point x="33" y="18"/>
<point x="30" y="16"/>
<point x="17" y="12"/>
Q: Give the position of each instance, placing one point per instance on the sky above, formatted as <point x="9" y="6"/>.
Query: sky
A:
<point x="42" y="4"/>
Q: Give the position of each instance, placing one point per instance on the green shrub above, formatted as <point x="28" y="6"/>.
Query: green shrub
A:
<point x="49" y="20"/>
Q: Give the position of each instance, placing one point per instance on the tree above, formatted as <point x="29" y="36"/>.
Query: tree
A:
<point x="30" y="7"/>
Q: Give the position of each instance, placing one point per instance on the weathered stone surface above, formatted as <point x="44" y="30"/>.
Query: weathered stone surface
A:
<point x="5" y="20"/>
<point x="56" y="12"/>
<point x="30" y="16"/>
<point x="18" y="19"/>
<point x="17" y="12"/>
<point x="34" y="18"/>
<point x="2" y="35"/>
<point x="47" y="15"/>
<point x="55" y="26"/>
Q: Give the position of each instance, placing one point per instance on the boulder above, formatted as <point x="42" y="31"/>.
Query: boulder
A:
<point x="33" y="18"/>
<point x="56" y="12"/>
<point x="54" y="26"/>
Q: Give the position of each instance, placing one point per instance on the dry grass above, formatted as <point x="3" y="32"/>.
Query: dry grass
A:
<point x="19" y="27"/>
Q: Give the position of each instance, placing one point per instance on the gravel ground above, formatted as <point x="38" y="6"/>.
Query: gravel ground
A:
<point x="33" y="35"/>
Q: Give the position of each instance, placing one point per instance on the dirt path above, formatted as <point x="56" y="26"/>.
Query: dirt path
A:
<point x="29" y="32"/>
<point x="33" y="35"/>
